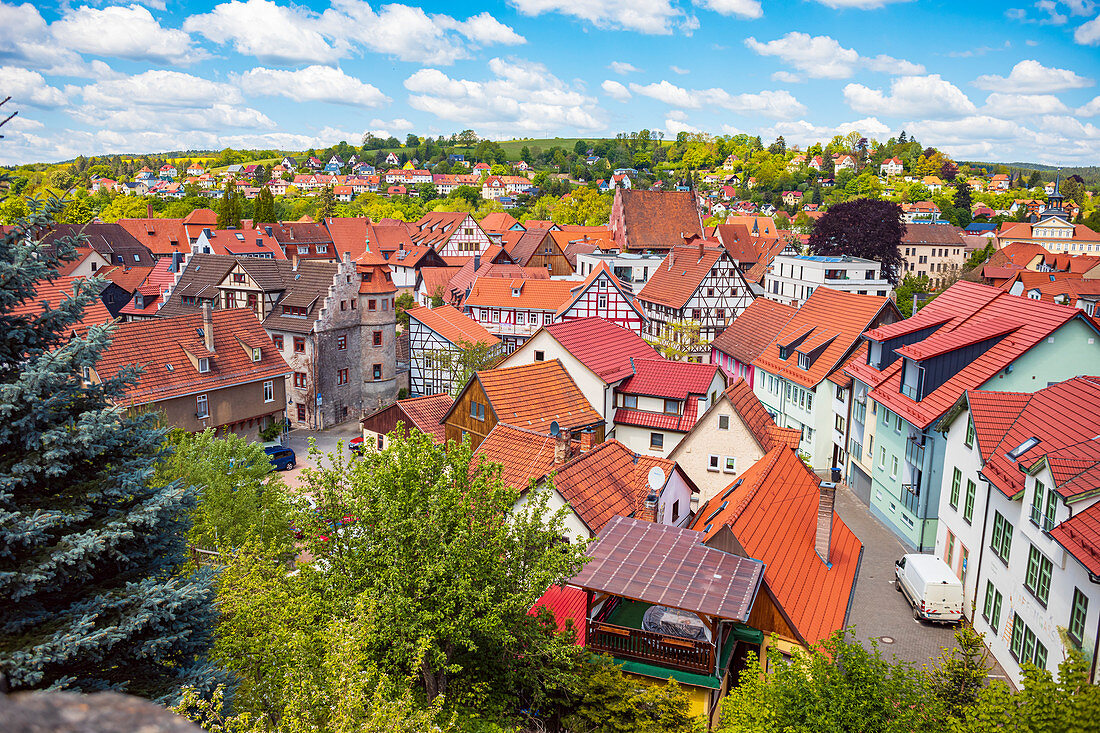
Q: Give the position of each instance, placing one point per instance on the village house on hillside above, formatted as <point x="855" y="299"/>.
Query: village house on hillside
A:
<point x="653" y="220"/>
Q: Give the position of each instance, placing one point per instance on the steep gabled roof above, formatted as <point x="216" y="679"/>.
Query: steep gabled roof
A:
<point x="603" y="347"/>
<point x="533" y="294"/>
<point x="48" y="295"/>
<point x="522" y="454"/>
<point x="497" y="222"/>
<point x="577" y="292"/>
<point x="681" y="273"/>
<point x="524" y="248"/>
<point x="673" y="380"/>
<point x="772" y="510"/>
<point x="453" y="325"/>
<point x="658" y="220"/>
<point x="830" y="319"/>
<point x="757" y="326"/>
<point x="161" y="236"/>
<point x="757" y="420"/>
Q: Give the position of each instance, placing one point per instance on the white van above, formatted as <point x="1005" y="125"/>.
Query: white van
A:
<point x="934" y="592"/>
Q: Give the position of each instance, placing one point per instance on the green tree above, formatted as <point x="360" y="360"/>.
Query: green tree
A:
<point x="1035" y="180"/>
<point x="960" y="676"/>
<point x="327" y="203"/>
<point x="464" y="360"/>
<point x="677" y="339"/>
<point x="404" y="302"/>
<point x="264" y="212"/>
<point x="1073" y="190"/>
<point x="92" y="552"/>
<point x="909" y="286"/>
<point x="962" y="198"/>
<point x="229" y="208"/>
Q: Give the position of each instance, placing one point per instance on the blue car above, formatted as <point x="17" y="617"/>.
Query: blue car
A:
<point x="282" y="459"/>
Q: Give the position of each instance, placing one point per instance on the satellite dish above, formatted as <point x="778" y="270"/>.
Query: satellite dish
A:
<point x="656" y="478"/>
<point x="554" y="428"/>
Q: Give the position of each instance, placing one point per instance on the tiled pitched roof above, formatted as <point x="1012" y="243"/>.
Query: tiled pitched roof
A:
<point x="681" y="423"/>
<point x="964" y="309"/>
<point x="658" y="219"/>
<point x="247" y="243"/>
<point x="349" y="234"/>
<point x="157" y="343"/>
<point x="161" y="236"/>
<point x="577" y="291"/>
<point x="498" y="221"/>
<point x="840" y="375"/>
<point x="437" y="227"/>
<point x="48" y="295"/>
<point x="437" y="280"/>
<point x="931" y="234"/>
<point x="603" y="347"/>
<point x="534" y="395"/>
<point x="568" y="606"/>
<point x="533" y="294"/>
<point x="757" y="420"/>
<point x="681" y="273"/>
<point x="524" y="248"/>
<point x="674" y="380"/>
<point x="1020" y="254"/>
<point x="826" y="314"/>
<point x="993" y="414"/>
<point x="1080" y="535"/>
<point x="1063" y="417"/>
<point x="427" y="414"/>
<point x="772" y="511"/>
<point x="522" y="454"/>
<point x="738" y="242"/>
<point x="112" y="241"/>
<point x="453" y="325"/>
<point x="752" y="330"/>
<point x="127" y="278"/>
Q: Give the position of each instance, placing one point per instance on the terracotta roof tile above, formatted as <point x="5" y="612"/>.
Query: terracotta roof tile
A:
<point x="757" y="420"/>
<point x="497" y="222"/>
<point x="534" y="294"/>
<point x="161" y="236"/>
<point x="532" y="396"/>
<point x="427" y="413"/>
<point x="673" y="380"/>
<point x="522" y="454"/>
<point x="48" y="295"/>
<point x="756" y="327"/>
<point x="1080" y="535"/>
<point x="603" y="347"/>
<point x="772" y="511"/>
<point x="524" y="248"/>
<point x="681" y="273"/>
<point x="658" y="220"/>
<point x="453" y="325"/>
<point x="931" y="234"/>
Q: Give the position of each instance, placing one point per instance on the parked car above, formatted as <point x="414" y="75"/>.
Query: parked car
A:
<point x="355" y="445"/>
<point x="281" y="457"/>
<point x="930" y="586"/>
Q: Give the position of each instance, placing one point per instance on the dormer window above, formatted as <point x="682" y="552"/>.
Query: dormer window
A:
<point x="515" y="292"/>
<point x="803" y="361"/>
<point x="204" y="364"/>
<point x="256" y="353"/>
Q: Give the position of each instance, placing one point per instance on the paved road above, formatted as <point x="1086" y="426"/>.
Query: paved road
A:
<point x="326" y="441"/>
<point x="878" y="610"/>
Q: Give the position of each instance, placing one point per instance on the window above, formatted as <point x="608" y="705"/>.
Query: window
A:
<point x="377" y="372"/>
<point x="969" y="433"/>
<point x="723" y="422"/>
<point x="299" y="344"/>
<point x="803" y="361"/>
<point x="204" y="364"/>
<point x="521" y="318"/>
<point x="1037" y="579"/>
<point x="897" y="423"/>
<point x="949" y="556"/>
<point x="630" y="401"/>
<point x="1001" y="541"/>
<point x="602" y="301"/>
<point x="1024" y="647"/>
<point x="1078" y="612"/>
<point x="656" y="441"/>
<point x="956" y="484"/>
<point x="341" y="376"/>
<point x="343" y="305"/>
<point x="839" y="424"/>
<point x="672" y="407"/>
<point x="201" y="407"/>
<point x="352" y="302"/>
<point x="477" y="410"/>
<point x="730" y="464"/>
<point x="675" y="510"/>
<point x="300" y="380"/>
<point x="342" y="342"/>
<point x="1037" y="503"/>
<point x="540" y="356"/>
<point x="238" y="277"/>
<point x="372" y="304"/>
<point x="1052" y="507"/>
<point x="376" y="338"/>
<point x="712" y="463"/>
<point x="547" y="318"/>
<point x="968" y="508"/>
<point x="269" y="391"/>
<point x="255" y="353"/>
<point x="882" y="456"/>
<point x="894" y="467"/>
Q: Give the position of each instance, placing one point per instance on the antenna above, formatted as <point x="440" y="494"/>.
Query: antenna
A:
<point x="655" y="478"/>
<point x="555" y="429"/>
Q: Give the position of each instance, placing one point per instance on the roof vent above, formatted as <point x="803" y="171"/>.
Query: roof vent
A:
<point x="169" y="367"/>
<point x="1023" y="448"/>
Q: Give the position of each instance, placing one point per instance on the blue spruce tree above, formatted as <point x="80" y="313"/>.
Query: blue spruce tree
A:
<point x="94" y="592"/>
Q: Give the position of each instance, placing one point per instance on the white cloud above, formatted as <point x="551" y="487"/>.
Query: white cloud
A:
<point x="676" y="126"/>
<point x="1090" y="109"/>
<point x="645" y="16"/>
<point x="1088" y="33"/>
<point x="523" y="96"/>
<point x="742" y="8"/>
<point x="123" y="32"/>
<point x="1053" y="17"/>
<point x="770" y="103"/>
<point x="1023" y="105"/>
<point x="29" y="87"/>
<point x="916" y="96"/>
<point x="676" y="114"/>
<point x="822" y="57"/>
<point x="267" y="30"/>
<point x="398" y="124"/>
<point x="1031" y="76"/>
<point x="787" y="77"/>
<point x="26" y="41"/>
<point x="859" y="4"/>
<point x="677" y="70"/>
<point x="801" y="132"/>
<point x="311" y="84"/>
<point x="621" y="67"/>
<point x="615" y="90"/>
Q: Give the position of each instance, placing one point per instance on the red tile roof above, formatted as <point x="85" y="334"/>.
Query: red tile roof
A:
<point x="603" y="347"/>
<point x="349" y="234"/>
<point x="772" y="511"/>
<point x="48" y="295"/>
<point x="963" y="309"/>
<point x="427" y="412"/>
<point x="161" y="347"/>
<point x="247" y="243"/>
<point x="497" y="222"/>
<point x="568" y="606"/>
<point x="757" y="420"/>
<point x="658" y="220"/>
<point x="1062" y="416"/>
<point x="534" y="395"/>
<point x="453" y="325"/>
<point x="524" y="248"/>
<point x="681" y="273"/>
<point x="1080" y="535"/>
<point x="826" y="314"/>
<point x="522" y="454"/>
<point x="161" y="236"/>
<point x="436" y="280"/>
<point x="127" y="278"/>
<point x="678" y="423"/>
<point x="496" y="292"/>
<point x="922" y="234"/>
<point x="673" y="380"/>
<point x="751" y="332"/>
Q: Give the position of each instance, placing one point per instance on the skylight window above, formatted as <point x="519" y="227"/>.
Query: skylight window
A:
<point x="1023" y="448"/>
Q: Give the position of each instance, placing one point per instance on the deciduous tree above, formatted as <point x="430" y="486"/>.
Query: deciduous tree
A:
<point x="862" y="228"/>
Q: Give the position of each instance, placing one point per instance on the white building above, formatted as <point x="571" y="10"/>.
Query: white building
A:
<point x="632" y="269"/>
<point x="791" y="279"/>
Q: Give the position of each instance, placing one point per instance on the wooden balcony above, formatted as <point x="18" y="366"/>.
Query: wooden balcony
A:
<point x="644" y="646"/>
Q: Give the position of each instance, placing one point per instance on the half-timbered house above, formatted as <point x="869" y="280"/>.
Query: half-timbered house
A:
<point x="697" y="285"/>
<point x="515" y="308"/>
<point x="602" y="295"/>
<point x="451" y="234"/>
<point x="436" y="339"/>
<point x="537" y="248"/>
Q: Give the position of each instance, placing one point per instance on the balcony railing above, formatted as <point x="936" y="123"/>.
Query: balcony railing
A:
<point x="645" y="646"/>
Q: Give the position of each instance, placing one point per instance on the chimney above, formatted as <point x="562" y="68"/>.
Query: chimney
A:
<point x="294" y="262"/>
<point x="208" y="326"/>
<point x="563" y="445"/>
<point x="824" y="537"/>
<point x="700" y="248"/>
<point x="477" y="260"/>
<point x="347" y="258"/>
<point x="649" y="509"/>
<point x="149" y="211"/>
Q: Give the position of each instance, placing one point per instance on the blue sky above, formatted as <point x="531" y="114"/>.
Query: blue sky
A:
<point x="990" y="81"/>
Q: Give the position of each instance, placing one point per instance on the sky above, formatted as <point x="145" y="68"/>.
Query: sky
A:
<point x="991" y="81"/>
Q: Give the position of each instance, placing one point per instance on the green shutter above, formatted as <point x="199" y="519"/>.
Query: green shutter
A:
<point x="1037" y="503"/>
<point x="1040" y="656"/>
<point x="1031" y="579"/>
<point x="956" y="482"/>
<point x="995" y="621"/>
<point x="1077" y="615"/>
<point x="988" y="607"/>
<point x="1017" y="636"/>
<point x="1052" y="508"/>
<point x="968" y="510"/>
<point x="1046" y="567"/>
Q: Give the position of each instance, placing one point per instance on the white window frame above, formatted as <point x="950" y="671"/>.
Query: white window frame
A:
<point x="202" y="406"/>
<point x="269" y="391"/>
<point x="714" y="462"/>
<point x="726" y="418"/>
<point x="204" y="364"/>
<point x="729" y="464"/>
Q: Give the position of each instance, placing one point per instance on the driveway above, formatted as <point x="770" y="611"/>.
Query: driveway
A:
<point x="878" y="610"/>
<point x="326" y="442"/>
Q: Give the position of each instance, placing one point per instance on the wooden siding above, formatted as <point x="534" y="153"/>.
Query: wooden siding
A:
<point x="460" y="420"/>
